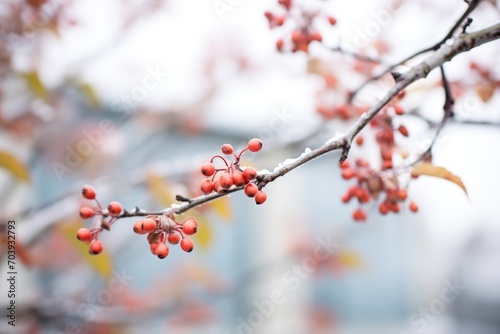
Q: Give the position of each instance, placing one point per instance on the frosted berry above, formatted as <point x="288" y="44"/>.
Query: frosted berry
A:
<point x="88" y="192"/>
<point x="226" y="180"/>
<point x="114" y="208"/>
<point x="227" y="149"/>
<point x="84" y="235"/>
<point x="206" y="186"/>
<point x="250" y="173"/>
<point x="187" y="245"/>
<point x="238" y="179"/>
<point x="86" y="212"/>
<point x="95" y="247"/>
<point x="189" y="227"/>
<point x="254" y="145"/>
<point x="260" y="197"/>
<point x="173" y="238"/>
<point x="251" y="190"/>
<point x="208" y="169"/>
<point x="162" y="251"/>
<point x="144" y="226"/>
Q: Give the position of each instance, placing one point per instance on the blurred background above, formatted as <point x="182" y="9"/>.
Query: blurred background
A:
<point x="132" y="96"/>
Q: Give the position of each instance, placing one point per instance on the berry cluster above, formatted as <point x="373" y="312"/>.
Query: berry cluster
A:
<point x="163" y="228"/>
<point x="303" y="33"/>
<point x="113" y="211"/>
<point x="372" y="182"/>
<point x="232" y="174"/>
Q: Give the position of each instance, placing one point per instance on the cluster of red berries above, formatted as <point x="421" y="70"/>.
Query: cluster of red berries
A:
<point x="370" y="184"/>
<point x="164" y="228"/>
<point x="303" y="33"/>
<point x="232" y="174"/>
<point x="113" y="211"/>
<point x="342" y="112"/>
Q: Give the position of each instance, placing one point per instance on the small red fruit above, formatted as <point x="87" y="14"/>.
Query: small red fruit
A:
<point x="173" y="238"/>
<point x="383" y="208"/>
<point x="347" y="174"/>
<point x="398" y="109"/>
<point x="359" y="215"/>
<point x="206" y="186"/>
<point x="208" y="169"/>
<point x="254" y="145"/>
<point x="360" y="140"/>
<point x="86" y="212"/>
<point x="402" y="194"/>
<point x="88" y="192"/>
<point x="95" y="247"/>
<point x="153" y="246"/>
<point x="332" y="20"/>
<point x="403" y="130"/>
<point x="145" y="226"/>
<point x="114" y="208"/>
<point x="238" y="179"/>
<point x="162" y="251"/>
<point x="187" y="245"/>
<point x="227" y="149"/>
<point x="84" y="235"/>
<point x="189" y="227"/>
<point x="226" y="180"/>
<point x="413" y="207"/>
<point x="344" y="164"/>
<point x="279" y="44"/>
<point x="251" y="190"/>
<point x="250" y="173"/>
<point x="260" y="197"/>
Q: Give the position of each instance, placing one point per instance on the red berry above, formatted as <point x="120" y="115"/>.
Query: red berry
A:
<point x="359" y="215"/>
<point x="280" y="20"/>
<point x="296" y="36"/>
<point x="191" y="220"/>
<point x="95" y="247"/>
<point x="250" y="173"/>
<point x="88" y="192"/>
<point x="187" y="245"/>
<point x="254" y="145"/>
<point x="251" y="189"/>
<point x="315" y="36"/>
<point x="206" y="186"/>
<point x="145" y="226"/>
<point x="398" y="109"/>
<point x="208" y="169"/>
<point x="226" y="180"/>
<point x="346" y="198"/>
<point x="279" y="44"/>
<point x="403" y="130"/>
<point x="238" y="179"/>
<point x="218" y="188"/>
<point x="402" y="194"/>
<point x="86" y="212"/>
<point x="153" y="246"/>
<point x="383" y="208"/>
<point x="189" y="228"/>
<point x="268" y="15"/>
<point x="413" y="207"/>
<point x="347" y="173"/>
<point x="359" y="140"/>
<point x="173" y="238"/>
<point x="332" y="20"/>
<point x="114" y="208"/>
<point x="260" y="197"/>
<point x="227" y="149"/>
<point x="344" y="164"/>
<point x="84" y="235"/>
<point x="162" y="251"/>
<point x="36" y="3"/>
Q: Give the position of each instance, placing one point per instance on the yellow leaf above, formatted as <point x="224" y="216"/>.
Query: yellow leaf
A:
<point x="349" y="259"/>
<point x="14" y="166"/>
<point x="100" y="263"/>
<point x="35" y="84"/>
<point x="431" y="170"/>
<point x="485" y="90"/>
<point x="160" y="189"/>
<point x="222" y="207"/>
<point x="90" y="95"/>
<point x="204" y="236"/>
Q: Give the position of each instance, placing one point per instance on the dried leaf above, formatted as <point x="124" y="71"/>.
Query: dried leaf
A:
<point x="90" y="95"/>
<point x="431" y="170"/>
<point x="349" y="259"/>
<point x="100" y="263"/>
<point x="14" y="166"/>
<point x="485" y="90"/>
<point x="317" y="66"/>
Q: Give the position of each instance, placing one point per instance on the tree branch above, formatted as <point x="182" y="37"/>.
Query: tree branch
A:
<point x="445" y="53"/>
<point x="472" y="6"/>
